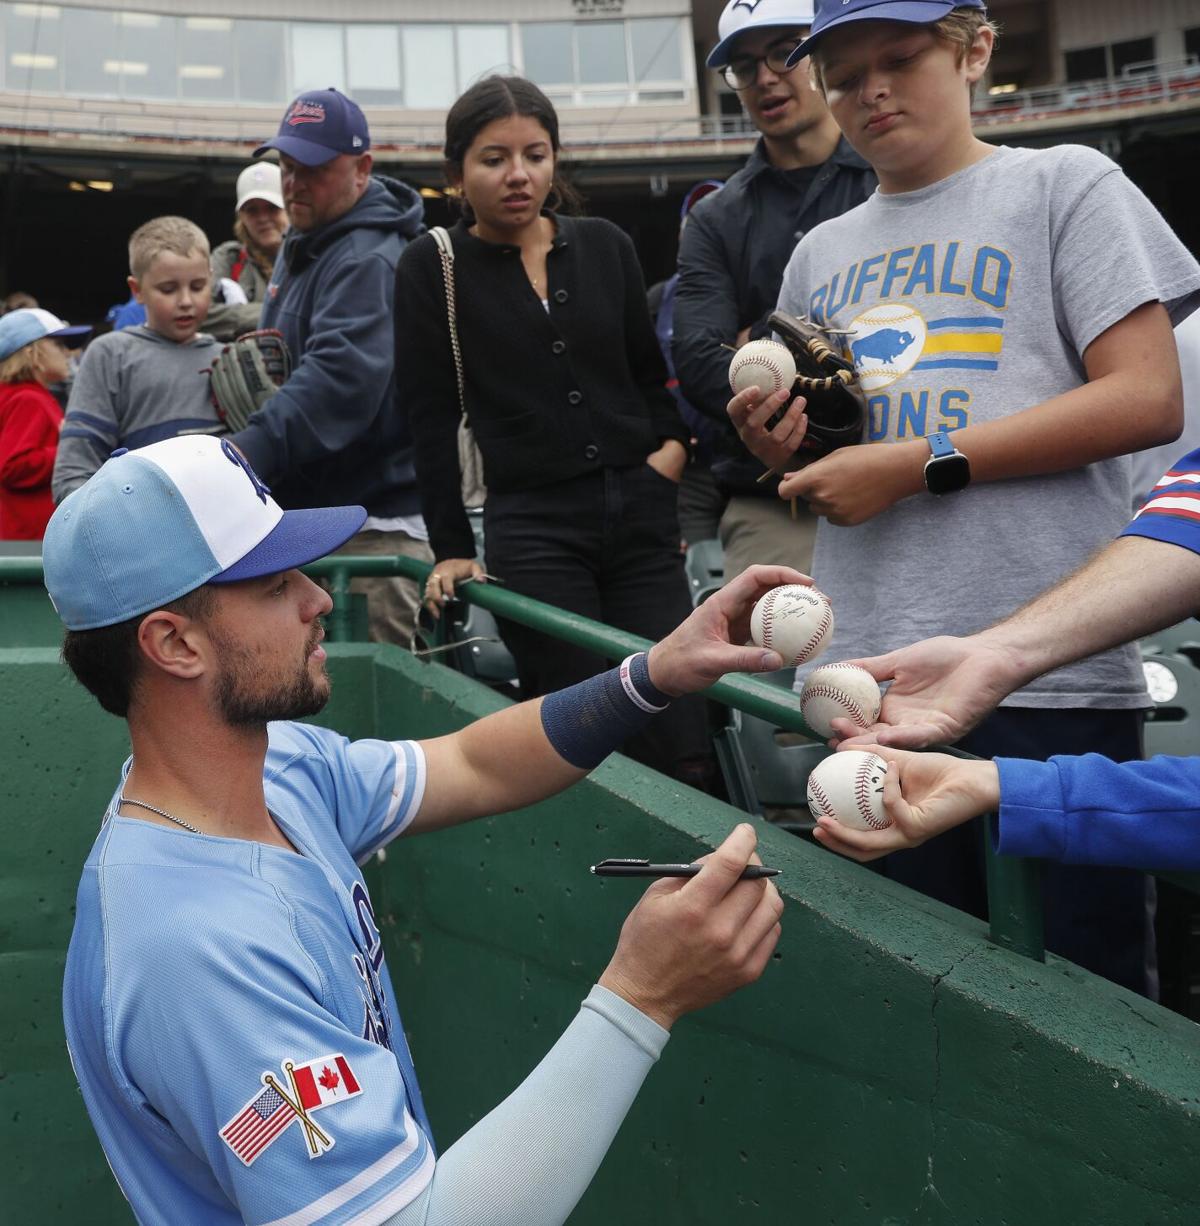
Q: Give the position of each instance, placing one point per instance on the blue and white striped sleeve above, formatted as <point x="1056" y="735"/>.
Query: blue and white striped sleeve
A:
<point x="372" y="788"/>
<point x="1172" y="512"/>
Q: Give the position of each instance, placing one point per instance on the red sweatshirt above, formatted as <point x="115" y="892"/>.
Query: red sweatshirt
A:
<point x="30" y="419"/>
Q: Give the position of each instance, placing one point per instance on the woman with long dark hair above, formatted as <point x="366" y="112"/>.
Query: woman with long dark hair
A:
<point x="565" y="390"/>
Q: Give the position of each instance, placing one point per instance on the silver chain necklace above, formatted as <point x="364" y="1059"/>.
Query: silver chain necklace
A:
<point x="141" y="804"/>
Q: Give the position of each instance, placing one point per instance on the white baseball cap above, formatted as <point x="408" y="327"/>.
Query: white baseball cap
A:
<point x="739" y="16"/>
<point x="261" y="181"/>
<point x="154" y="524"/>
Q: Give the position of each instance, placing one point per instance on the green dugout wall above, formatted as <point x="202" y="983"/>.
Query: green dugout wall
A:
<point x="892" y="1067"/>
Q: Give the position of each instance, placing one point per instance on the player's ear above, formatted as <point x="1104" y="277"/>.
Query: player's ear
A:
<point x="134" y="288"/>
<point x="173" y="643"/>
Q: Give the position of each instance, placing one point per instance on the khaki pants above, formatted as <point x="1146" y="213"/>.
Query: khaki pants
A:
<point x="761" y="530"/>
<point x="391" y="603"/>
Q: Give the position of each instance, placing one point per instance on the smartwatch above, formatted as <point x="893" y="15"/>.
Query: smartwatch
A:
<point x="947" y="469"/>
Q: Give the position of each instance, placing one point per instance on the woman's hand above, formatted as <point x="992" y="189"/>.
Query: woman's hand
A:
<point x="439" y="587"/>
<point x="669" y="460"/>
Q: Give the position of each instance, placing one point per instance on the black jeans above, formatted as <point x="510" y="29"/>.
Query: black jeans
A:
<point x="605" y="545"/>
<point x="1099" y="918"/>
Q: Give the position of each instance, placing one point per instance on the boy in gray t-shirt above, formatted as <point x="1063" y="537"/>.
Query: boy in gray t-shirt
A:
<point x="150" y="382"/>
<point x="1020" y="301"/>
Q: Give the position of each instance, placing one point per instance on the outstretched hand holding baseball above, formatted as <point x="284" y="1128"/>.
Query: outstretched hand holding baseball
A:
<point x="711" y="642"/>
<point x="924" y="794"/>
<point x="690" y="943"/>
<point x="941" y="688"/>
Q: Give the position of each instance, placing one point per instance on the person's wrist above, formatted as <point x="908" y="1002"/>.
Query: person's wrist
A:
<point x="986" y="786"/>
<point x="659" y="671"/>
<point x="910" y="466"/>
<point x="656" y="1010"/>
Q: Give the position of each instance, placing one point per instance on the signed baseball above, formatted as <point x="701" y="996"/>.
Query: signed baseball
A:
<point x="839" y="691"/>
<point x="764" y="364"/>
<point x="794" y="620"/>
<point x="848" y="787"/>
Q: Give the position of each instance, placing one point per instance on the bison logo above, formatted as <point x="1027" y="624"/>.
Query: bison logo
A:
<point x="885" y="343"/>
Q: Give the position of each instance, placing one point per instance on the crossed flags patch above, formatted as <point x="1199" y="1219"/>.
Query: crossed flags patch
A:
<point x="269" y="1114"/>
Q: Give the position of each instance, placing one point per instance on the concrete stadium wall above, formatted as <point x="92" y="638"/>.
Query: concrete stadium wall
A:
<point x="892" y="1067"/>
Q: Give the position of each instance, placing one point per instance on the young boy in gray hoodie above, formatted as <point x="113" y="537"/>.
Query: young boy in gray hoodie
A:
<point x="150" y="382"/>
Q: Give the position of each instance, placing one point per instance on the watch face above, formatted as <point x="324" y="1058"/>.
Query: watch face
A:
<point x="946" y="474"/>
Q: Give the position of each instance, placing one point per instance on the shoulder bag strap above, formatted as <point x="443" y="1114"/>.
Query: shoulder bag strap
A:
<point x="441" y="236"/>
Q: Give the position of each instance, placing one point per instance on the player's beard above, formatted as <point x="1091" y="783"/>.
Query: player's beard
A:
<point x="247" y="696"/>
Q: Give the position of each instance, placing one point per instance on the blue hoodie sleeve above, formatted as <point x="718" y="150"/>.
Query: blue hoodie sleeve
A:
<point x="342" y="380"/>
<point x="1090" y="810"/>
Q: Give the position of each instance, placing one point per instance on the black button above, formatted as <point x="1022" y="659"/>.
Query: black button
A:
<point x="574" y="397"/>
<point x="591" y="451"/>
<point x="561" y="295"/>
<point x="559" y="347"/>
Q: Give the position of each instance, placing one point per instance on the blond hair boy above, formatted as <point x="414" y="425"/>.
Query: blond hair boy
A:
<point x="149" y="382"/>
<point x="1009" y="315"/>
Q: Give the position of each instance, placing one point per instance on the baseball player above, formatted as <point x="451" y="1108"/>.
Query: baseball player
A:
<point x="228" y="1009"/>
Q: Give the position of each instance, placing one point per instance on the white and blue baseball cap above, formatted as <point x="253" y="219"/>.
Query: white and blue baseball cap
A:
<point x="833" y="13"/>
<point x="741" y="16"/>
<point x="159" y="522"/>
<point x="29" y="324"/>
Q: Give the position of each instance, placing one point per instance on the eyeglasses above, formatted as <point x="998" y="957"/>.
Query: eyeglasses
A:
<point x="742" y="72"/>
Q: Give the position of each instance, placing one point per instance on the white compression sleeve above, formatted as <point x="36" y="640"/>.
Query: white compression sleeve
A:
<point x="527" y="1162"/>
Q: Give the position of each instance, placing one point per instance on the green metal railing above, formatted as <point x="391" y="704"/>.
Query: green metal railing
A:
<point x="1014" y="898"/>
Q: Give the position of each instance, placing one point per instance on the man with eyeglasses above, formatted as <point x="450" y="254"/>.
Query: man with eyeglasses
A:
<point x="737" y="243"/>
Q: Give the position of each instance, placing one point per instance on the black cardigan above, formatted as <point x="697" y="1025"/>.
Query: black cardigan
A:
<point x="550" y="395"/>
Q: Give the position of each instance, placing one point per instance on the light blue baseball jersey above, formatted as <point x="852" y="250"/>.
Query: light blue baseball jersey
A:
<point x="229" y="1016"/>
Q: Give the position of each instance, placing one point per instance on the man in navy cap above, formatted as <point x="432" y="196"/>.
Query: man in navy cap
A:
<point x="333" y="433"/>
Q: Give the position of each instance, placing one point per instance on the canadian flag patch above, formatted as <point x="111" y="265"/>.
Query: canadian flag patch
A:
<point x="325" y="1081"/>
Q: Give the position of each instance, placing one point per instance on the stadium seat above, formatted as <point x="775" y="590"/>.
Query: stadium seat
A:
<point x="705" y="567"/>
<point x="765" y="768"/>
<point x="1173" y="724"/>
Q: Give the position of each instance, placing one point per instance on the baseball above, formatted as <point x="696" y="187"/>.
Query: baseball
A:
<point x="848" y="787"/>
<point x="794" y="620"/>
<point x="839" y="691"/>
<point x="764" y="364"/>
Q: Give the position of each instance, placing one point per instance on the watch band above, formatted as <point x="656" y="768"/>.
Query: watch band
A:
<point x="940" y="444"/>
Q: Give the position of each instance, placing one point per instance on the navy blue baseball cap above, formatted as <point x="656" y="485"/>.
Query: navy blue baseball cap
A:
<point x="834" y="13"/>
<point x="318" y="126"/>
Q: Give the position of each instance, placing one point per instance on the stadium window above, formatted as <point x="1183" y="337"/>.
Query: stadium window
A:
<point x="656" y="47"/>
<point x="147" y="58"/>
<point x="33" y="48"/>
<point x="373" y="64"/>
<point x="259" y="52"/>
<point x="1191" y="44"/>
<point x="1087" y="64"/>
<point x="1137" y="51"/>
<point x="429" y="74"/>
<point x="206" y="65"/>
<point x="601" y="50"/>
<point x="318" y="60"/>
<point x="91" y="39"/>
<point x="546" y="52"/>
<point x="482" y="50"/>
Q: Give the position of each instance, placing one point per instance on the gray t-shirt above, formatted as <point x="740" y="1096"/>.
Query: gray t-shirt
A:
<point x="968" y="301"/>
<point x="134" y="387"/>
